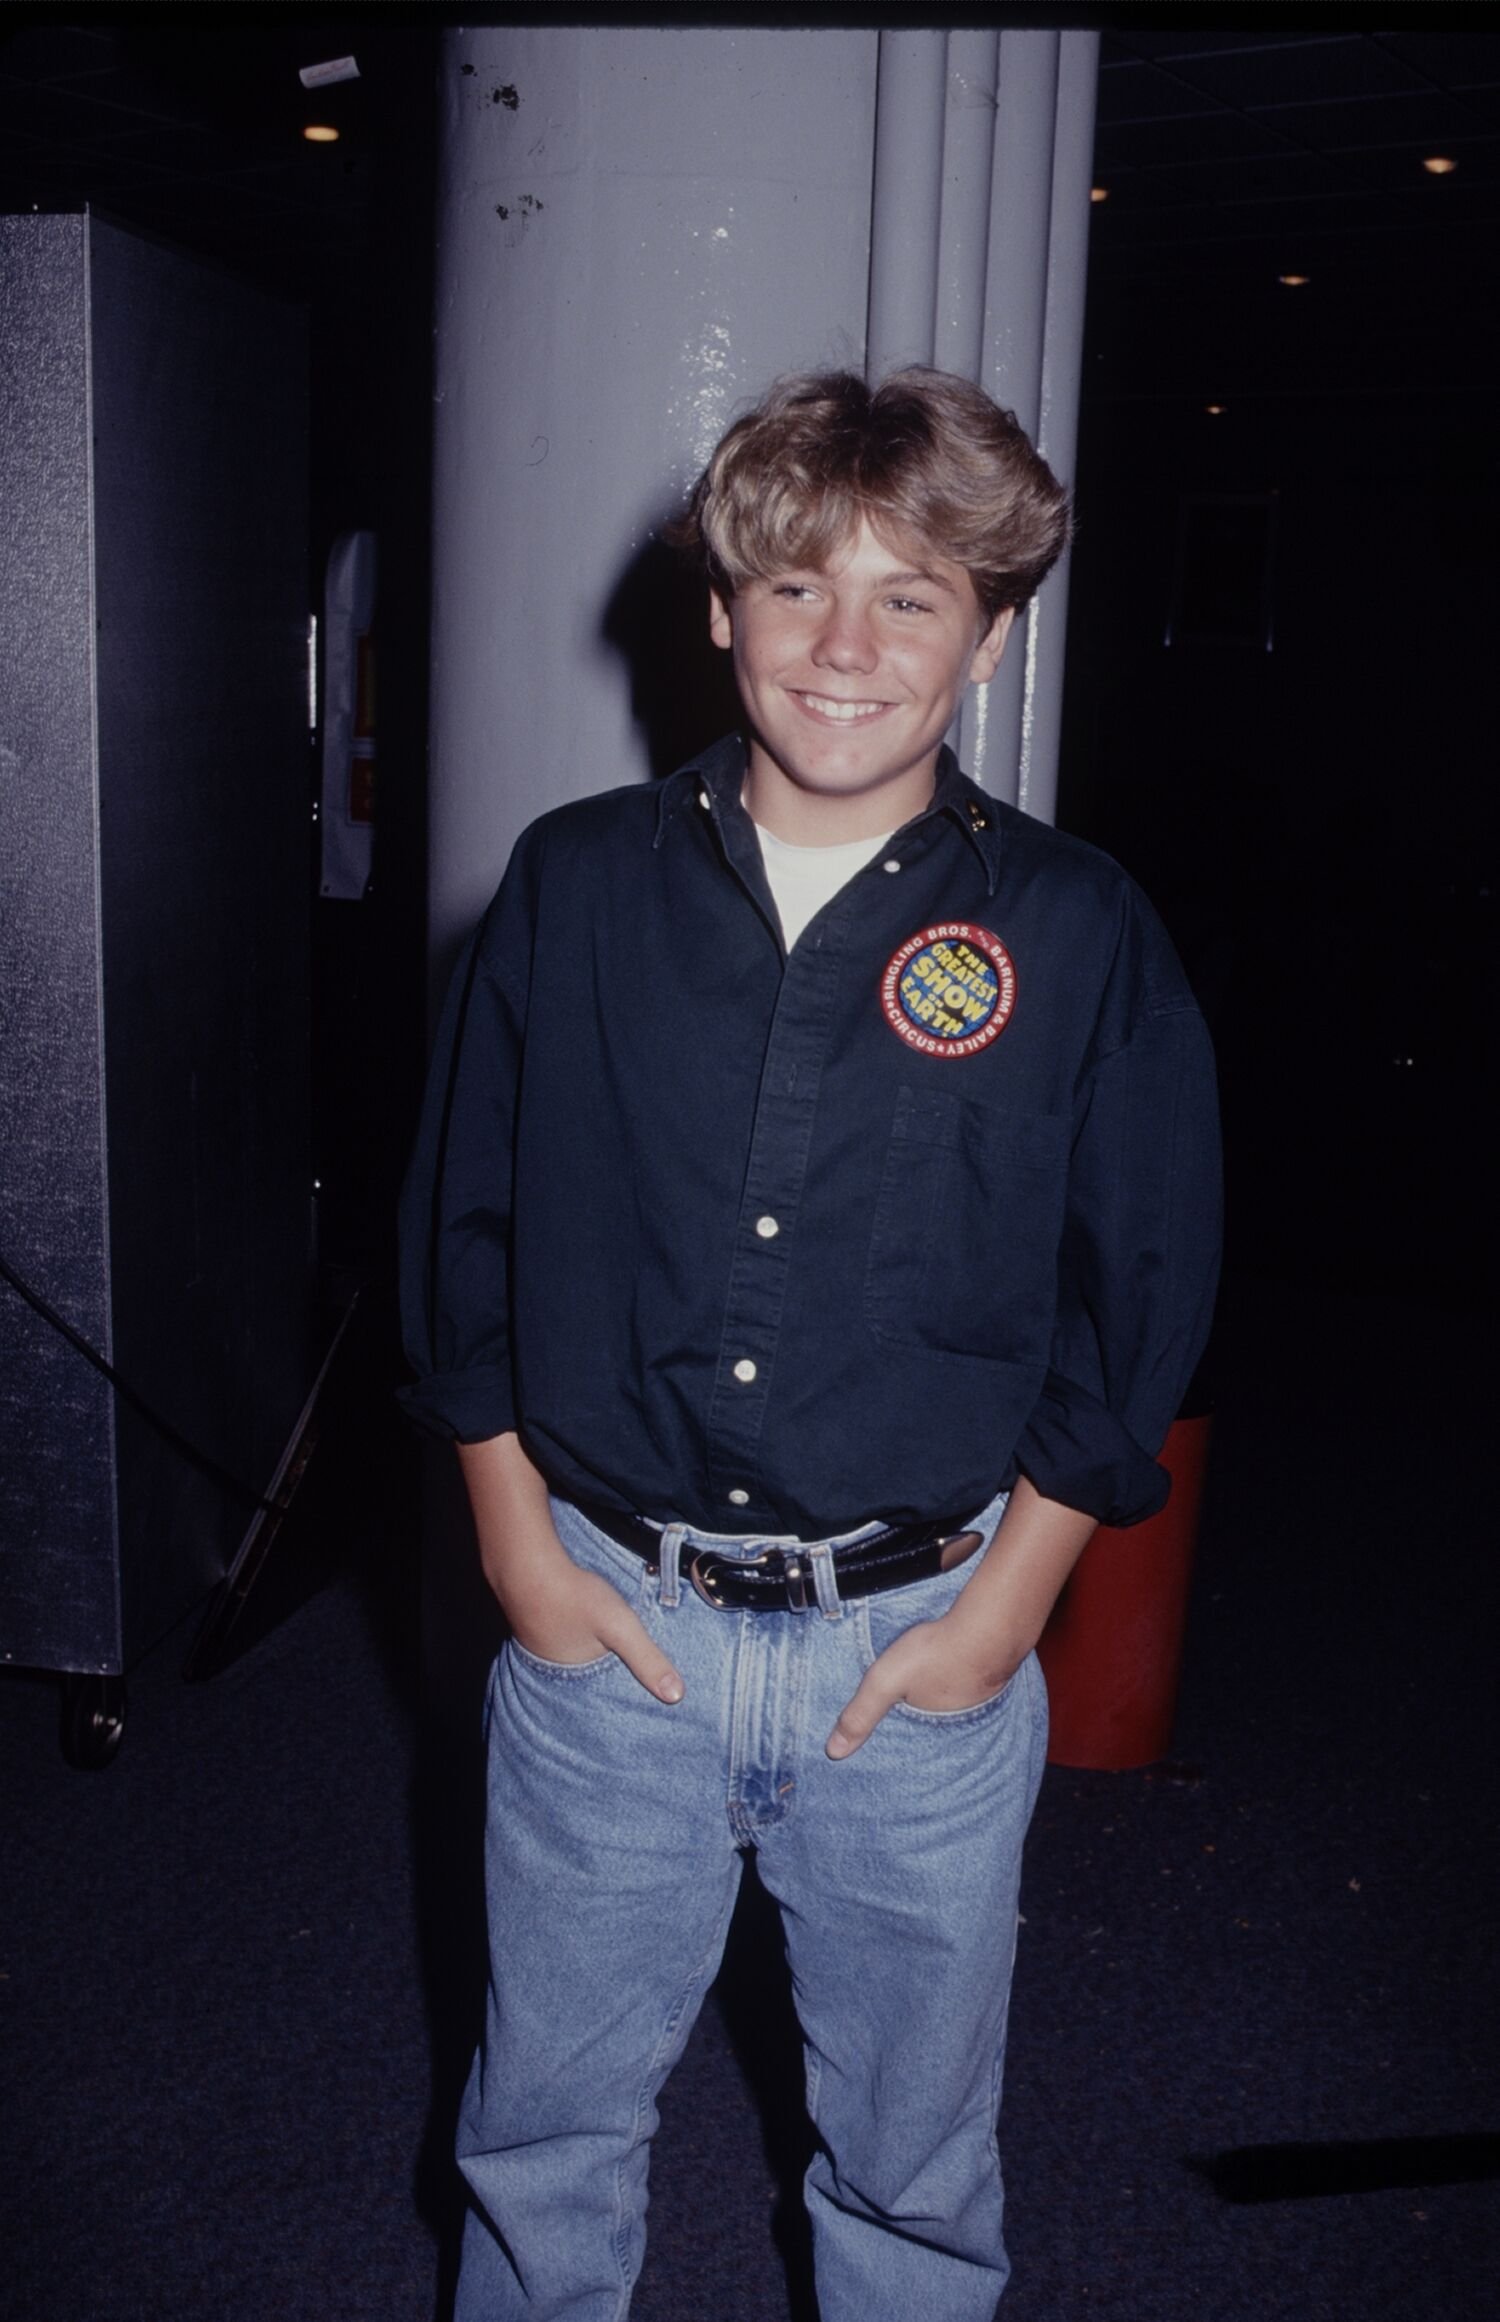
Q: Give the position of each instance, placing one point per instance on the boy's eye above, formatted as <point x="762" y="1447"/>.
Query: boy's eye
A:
<point x="794" y="589"/>
<point x="909" y="605"/>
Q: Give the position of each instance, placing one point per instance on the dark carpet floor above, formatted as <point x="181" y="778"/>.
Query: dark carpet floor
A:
<point x="1254" y="2037"/>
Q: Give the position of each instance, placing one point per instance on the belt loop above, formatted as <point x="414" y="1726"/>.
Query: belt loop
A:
<point x="671" y="1577"/>
<point x="819" y="1555"/>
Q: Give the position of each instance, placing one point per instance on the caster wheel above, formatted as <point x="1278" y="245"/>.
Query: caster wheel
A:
<point x="93" y="1718"/>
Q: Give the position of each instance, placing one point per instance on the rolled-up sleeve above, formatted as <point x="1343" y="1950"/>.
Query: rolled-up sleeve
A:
<point x="1137" y="1273"/>
<point x="456" y="1202"/>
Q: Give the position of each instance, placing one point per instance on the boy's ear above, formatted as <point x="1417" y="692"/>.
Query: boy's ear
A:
<point x="720" y="627"/>
<point x="990" y="647"/>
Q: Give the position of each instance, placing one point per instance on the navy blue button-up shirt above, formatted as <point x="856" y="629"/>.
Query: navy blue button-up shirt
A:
<point x="779" y="1244"/>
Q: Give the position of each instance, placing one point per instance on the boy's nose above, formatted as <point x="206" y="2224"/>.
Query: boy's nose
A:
<point x="846" y="641"/>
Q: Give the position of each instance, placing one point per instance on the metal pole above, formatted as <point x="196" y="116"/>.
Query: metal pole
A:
<point x="968" y="167"/>
<point x="1062" y="371"/>
<point x="1015" y="320"/>
<point x="1034" y="268"/>
<point x="906" y="201"/>
<point x="1020" y="222"/>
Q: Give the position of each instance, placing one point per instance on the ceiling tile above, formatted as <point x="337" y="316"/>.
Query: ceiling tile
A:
<point x="1288" y="234"/>
<point x="1184" y="39"/>
<point x="1299" y="72"/>
<point x="1279" y="177"/>
<point x="46" y="52"/>
<point x="1455" y="60"/>
<point x="1130" y="189"/>
<point x="73" y="177"/>
<point x="1216" y="136"/>
<point x="1419" y="116"/>
<point x="79" y="116"/>
<point x="1137" y="92"/>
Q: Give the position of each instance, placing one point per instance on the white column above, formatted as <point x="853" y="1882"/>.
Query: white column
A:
<point x="638" y="230"/>
<point x="1006" y="162"/>
<point x="1033" y="343"/>
<point x="1062" y="377"/>
<point x="968" y="170"/>
<point x="906" y="203"/>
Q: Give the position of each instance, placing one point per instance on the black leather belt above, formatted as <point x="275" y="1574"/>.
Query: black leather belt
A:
<point x="780" y="1579"/>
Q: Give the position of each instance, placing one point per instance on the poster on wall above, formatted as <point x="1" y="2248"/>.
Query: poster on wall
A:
<point x="347" y="817"/>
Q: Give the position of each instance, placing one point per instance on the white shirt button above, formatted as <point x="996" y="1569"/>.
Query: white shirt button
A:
<point x="767" y="1228"/>
<point x="890" y="864"/>
<point x="744" y="1370"/>
<point x="703" y="800"/>
<point x="739" y="1499"/>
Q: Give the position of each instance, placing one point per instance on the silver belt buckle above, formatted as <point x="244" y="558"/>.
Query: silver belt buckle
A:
<point x="797" y="1597"/>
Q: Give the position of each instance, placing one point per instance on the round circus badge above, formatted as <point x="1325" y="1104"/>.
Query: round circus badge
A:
<point x="950" y="990"/>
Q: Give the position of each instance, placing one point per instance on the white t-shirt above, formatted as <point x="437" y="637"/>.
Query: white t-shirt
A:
<point x="803" y="879"/>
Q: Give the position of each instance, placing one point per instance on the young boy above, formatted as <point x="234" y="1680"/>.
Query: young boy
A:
<point x="811" y="1232"/>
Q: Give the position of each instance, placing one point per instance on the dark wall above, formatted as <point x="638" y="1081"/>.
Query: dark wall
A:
<point x="199" y="407"/>
<point x="371" y="318"/>
<point x="1314" y="820"/>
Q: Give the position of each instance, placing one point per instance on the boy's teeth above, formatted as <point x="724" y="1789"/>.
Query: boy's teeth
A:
<point x="843" y="709"/>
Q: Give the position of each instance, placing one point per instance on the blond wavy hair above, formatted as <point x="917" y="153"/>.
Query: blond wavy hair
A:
<point x="926" y="456"/>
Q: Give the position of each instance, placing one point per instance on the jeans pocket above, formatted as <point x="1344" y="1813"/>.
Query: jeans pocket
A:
<point x="561" y="1671"/>
<point x="880" y="1620"/>
<point x="592" y="1551"/>
<point x="972" y="1713"/>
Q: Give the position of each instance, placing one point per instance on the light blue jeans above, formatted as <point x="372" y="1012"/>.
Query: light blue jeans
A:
<point x="612" y="1859"/>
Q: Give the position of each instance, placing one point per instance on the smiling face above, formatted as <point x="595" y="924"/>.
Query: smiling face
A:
<point x="850" y="677"/>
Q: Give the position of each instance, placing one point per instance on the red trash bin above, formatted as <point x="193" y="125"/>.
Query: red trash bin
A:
<point x="1113" y="1647"/>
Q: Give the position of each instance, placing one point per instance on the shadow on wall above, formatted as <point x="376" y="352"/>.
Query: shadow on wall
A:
<point x="682" y="691"/>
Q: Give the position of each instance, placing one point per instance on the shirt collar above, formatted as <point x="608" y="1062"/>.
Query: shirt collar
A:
<point x="975" y="812"/>
<point x="716" y="778"/>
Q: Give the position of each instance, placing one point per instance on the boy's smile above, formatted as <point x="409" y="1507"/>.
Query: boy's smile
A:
<point x="850" y="677"/>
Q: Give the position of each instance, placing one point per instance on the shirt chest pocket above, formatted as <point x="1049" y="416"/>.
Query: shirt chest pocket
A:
<point x="963" y="1247"/>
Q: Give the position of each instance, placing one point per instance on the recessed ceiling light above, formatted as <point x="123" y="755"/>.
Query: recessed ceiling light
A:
<point x="1214" y="410"/>
<point x="321" y="133"/>
<point x="1439" y="165"/>
<point x="1098" y="193"/>
<point x="1292" y="281"/>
